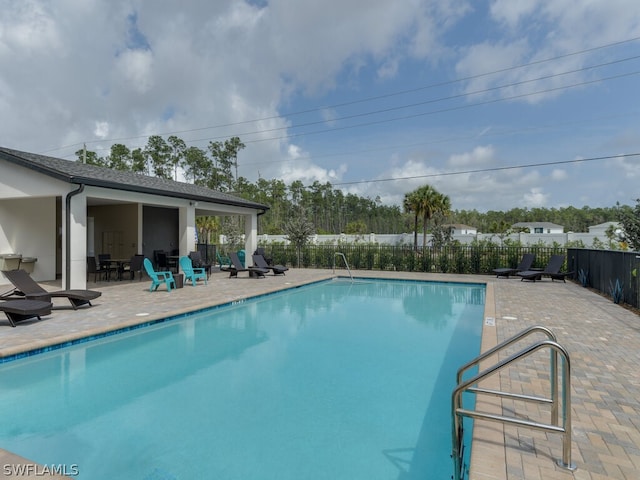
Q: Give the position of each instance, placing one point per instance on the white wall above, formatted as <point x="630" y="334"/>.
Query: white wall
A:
<point x="28" y="227"/>
<point x="407" y="238"/>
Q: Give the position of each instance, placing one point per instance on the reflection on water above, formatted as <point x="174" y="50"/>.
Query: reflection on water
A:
<point x="122" y="369"/>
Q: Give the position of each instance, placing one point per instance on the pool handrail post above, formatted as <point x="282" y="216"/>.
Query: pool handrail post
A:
<point x="564" y="429"/>
<point x="346" y="264"/>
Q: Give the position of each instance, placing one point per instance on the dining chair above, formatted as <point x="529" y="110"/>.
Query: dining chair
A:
<point x="105" y="266"/>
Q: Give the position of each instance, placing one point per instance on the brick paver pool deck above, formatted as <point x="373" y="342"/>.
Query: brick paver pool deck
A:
<point x="603" y="340"/>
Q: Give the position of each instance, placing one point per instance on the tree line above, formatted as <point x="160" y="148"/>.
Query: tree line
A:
<point x="326" y="209"/>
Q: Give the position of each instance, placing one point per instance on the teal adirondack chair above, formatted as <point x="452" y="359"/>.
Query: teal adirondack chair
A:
<point x="157" y="278"/>
<point x="192" y="273"/>
<point x="224" y="261"/>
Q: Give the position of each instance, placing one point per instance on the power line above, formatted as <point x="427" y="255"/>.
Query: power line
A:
<point x="444" y="110"/>
<point x="443" y="140"/>
<point x="442" y="99"/>
<point x="364" y="100"/>
<point x="492" y="169"/>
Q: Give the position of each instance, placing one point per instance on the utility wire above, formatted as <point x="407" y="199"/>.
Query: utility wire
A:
<point x="492" y="169"/>
<point x="368" y="99"/>
<point x="443" y="140"/>
<point x="444" y="110"/>
<point x="433" y="112"/>
<point x="437" y="100"/>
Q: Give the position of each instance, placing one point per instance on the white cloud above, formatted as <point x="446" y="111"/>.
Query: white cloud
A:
<point x="559" y="175"/>
<point x="481" y="156"/>
<point x="102" y="129"/>
<point x="537" y="30"/>
<point x="135" y="67"/>
<point x="208" y="70"/>
<point x="329" y="115"/>
<point x="29" y="28"/>
<point x="309" y="173"/>
<point x="536" y="198"/>
<point x="512" y="12"/>
<point x="628" y="167"/>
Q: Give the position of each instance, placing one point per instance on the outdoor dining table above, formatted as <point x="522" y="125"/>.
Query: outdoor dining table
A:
<point x="119" y="263"/>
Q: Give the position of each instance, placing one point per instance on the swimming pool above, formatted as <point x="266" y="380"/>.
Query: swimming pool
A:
<point x="337" y="380"/>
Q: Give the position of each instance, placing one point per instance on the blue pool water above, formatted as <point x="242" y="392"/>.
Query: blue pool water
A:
<point x="337" y="380"/>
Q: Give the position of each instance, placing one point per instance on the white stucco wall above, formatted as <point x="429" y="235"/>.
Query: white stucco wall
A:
<point x="28" y="227"/>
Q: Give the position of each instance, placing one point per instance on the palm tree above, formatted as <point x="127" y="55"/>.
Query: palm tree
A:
<point x="426" y="197"/>
<point x="410" y="204"/>
<point x="442" y="205"/>
<point x="429" y="202"/>
<point x="207" y="227"/>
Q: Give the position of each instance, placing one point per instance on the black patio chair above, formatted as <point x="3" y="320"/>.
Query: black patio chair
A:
<point x="31" y="290"/>
<point x="552" y="270"/>
<point x="524" y="265"/>
<point x="237" y="266"/>
<point x="259" y="261"/>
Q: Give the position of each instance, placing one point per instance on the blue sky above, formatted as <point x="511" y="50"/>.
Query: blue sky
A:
<point x="497" y="104"/>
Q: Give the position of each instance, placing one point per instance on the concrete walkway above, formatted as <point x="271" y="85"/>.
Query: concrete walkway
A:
<point x="603" y="340"/>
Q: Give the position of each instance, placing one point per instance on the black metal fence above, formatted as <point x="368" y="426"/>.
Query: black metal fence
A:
<point x="614" y="273"/>
<point x="611" y="272"/>
<point x="207" y="252"/>
<point x="452" y="259"/>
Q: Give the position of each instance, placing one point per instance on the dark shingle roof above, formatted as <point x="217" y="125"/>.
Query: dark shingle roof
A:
<point x="92" y="175"/>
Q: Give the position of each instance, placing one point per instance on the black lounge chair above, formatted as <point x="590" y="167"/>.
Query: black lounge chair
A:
<point x="236" y="267"/>
<point x="29" y="288"/>
<point x="267" y="259"/>
<point x="523" y="266"/>
<point x="197" y="262"/>
<point x="18" y="310"/>
<point x="551" y="270"/>
<point x="259" y="261"/>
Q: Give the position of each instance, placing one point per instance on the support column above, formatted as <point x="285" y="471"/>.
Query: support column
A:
<point x="75" y="265"/>
<point x="250" y="236"/>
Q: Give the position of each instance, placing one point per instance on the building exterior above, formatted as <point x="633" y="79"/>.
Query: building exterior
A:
<point x="602" y="228"/>
<point x="59" y="212"/>
<point x="461" y="229"/>
<point x="539" y="227"/>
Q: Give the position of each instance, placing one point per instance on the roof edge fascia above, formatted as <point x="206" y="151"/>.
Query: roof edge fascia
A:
<point x="92" y="182"/>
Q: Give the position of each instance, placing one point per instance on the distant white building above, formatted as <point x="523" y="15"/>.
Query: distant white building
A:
<point x="460" y="229"/>
<point x="540" y="227"/>
<point x="601" y="228"/>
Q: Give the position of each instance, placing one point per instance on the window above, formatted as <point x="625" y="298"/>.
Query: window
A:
<point x="538" y="230"/>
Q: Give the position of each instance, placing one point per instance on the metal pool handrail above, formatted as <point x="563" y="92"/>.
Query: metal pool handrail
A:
<point x="345" y="263"/>
<point x="510" y="341"/>
<point x="554" y="426"/>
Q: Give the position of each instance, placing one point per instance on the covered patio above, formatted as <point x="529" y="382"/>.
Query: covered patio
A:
<point x="60" y="212"/>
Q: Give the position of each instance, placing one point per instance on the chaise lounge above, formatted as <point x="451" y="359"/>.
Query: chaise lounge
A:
<point x="236" y="267"/>
<point x="18" y="310"/>
<point x="552" y="270"/>
<point x="261" y="251"/>
<point x="259" y="261"/>
<point x="27" y="287"/>
<point x="523" y="266"/>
